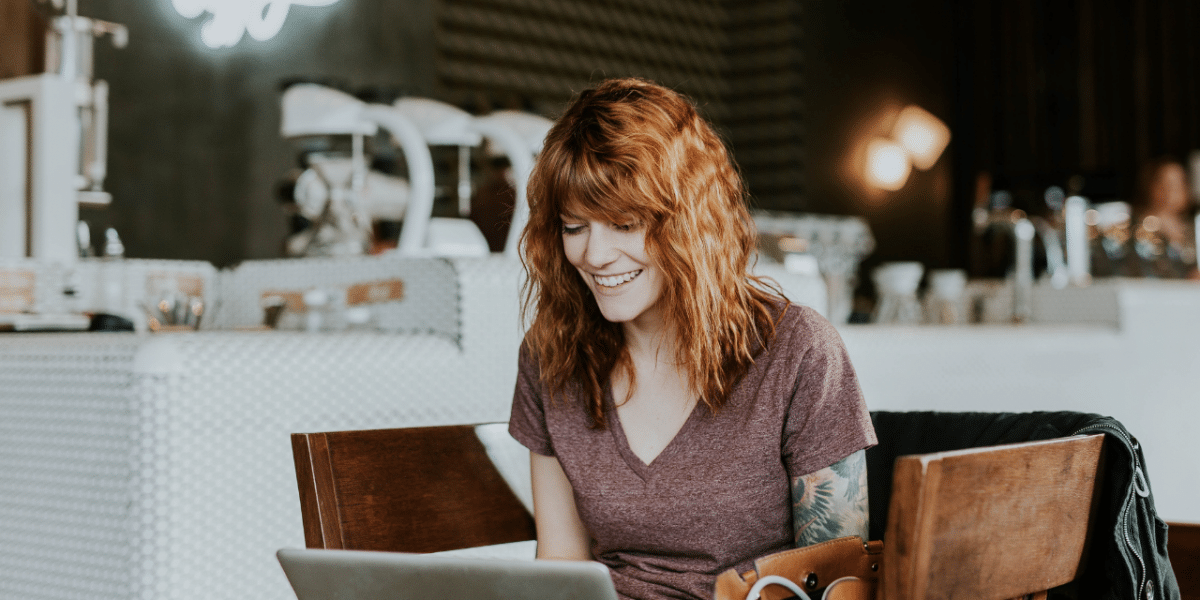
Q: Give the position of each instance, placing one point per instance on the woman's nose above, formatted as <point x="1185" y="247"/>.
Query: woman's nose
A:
<point x="601" y="246"/>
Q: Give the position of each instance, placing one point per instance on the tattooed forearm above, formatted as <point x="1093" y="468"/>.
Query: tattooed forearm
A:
<point x="832" y="502"/>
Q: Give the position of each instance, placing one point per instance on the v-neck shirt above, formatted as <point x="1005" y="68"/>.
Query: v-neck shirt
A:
<point x="718" y="495"/>
<point x="635" y="462"/>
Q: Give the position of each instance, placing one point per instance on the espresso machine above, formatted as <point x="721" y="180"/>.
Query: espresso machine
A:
<point x="340" y="195"/>
<point x="53" y="140"/>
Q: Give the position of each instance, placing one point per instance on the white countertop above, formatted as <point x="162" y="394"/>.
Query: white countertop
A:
<point x="144" y="438"/>
<point x="1143" y="368"/>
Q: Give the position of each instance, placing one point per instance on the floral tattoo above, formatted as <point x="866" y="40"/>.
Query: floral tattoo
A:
<point x="832" y="502"/>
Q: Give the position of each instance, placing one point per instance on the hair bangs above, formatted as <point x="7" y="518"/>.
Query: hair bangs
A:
<point x="590" y="187"/>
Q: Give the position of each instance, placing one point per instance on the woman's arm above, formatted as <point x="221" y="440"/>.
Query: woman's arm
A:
<point x="560" y="533"/>
<point x="832" y="502"/>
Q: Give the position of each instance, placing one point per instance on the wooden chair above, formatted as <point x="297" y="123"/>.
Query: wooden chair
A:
<point x="991" y="523"/>
<point x="1183" y="546"/>
<point x="423" y="489"/>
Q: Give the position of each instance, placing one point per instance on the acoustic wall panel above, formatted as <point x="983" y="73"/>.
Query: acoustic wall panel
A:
<point x="739" y="61"/>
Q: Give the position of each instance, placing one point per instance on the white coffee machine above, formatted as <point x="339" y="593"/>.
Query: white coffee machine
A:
<point x="53" y="140"/>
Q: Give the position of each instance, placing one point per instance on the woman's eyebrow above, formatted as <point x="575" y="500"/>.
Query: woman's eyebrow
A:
<point x="571" y="214"/>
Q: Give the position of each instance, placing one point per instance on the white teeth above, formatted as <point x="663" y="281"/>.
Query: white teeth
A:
<point x="616" y="280"/>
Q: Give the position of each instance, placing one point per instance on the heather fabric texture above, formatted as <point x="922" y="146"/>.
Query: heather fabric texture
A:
<point x="718" y="496"/>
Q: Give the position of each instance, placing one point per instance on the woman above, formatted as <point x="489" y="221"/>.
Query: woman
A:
<point x="682" y="419"/>
<point x="1164" y="235"/>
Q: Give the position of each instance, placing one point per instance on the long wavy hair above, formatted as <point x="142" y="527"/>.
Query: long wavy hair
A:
<point x="625" y="151"/>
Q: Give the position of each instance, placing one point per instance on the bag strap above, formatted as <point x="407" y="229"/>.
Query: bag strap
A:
<point x="846" y="588"/>
<point x="810" y="567"/>
<point x="757" y="588"/>
<point x="850" y="588"/>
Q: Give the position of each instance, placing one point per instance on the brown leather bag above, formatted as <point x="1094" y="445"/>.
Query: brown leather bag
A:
<point x="846" y="567"/>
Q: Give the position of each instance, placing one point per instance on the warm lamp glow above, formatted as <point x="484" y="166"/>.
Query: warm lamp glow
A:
<point x="231" y="19"/>
<point x="887" y="164"/>
<point x="922" y="135"/>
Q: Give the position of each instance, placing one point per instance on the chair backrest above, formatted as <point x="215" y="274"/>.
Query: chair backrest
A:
<point x="424" y="489"/>
<point x="991" y="523"/>
<point x="1183" y="546"/>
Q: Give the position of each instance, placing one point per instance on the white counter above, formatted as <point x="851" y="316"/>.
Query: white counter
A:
<point x="159" y="466"/>
<point x="1144" y="371"/>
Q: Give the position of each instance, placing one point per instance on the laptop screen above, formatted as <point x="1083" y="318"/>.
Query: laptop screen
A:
<point x="360" y="575"/>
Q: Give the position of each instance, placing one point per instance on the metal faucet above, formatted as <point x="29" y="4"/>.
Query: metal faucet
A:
<point x="1056" y="263"/>
<point x="1079" y="259"/>
<point x="1067" y="259"/>
<point x="1015" y="223"/>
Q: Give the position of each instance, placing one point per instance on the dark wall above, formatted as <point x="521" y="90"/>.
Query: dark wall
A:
<point x="1088" y="87"/>
<point x="1033" y="91"/>
<point x="1077" y="94"/>
<point x="21" y="48"/>
<point x="195" y="154"/>
<point x="195" y="151"/>
<point x="864" y="60"/>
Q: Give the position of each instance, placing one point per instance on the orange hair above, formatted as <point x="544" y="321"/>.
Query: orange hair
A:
<point x="630" y="150"/>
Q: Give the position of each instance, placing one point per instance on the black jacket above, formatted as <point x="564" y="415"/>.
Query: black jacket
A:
<point x="1128" y="555"/>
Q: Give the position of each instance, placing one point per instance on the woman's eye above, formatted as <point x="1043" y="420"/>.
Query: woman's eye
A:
<point x="571" y="229"/>
<point x="625" y="226"/>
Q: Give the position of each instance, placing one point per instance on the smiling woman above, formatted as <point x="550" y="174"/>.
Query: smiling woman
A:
<point x="683" y="418"/>
<point x="613" y="263"/>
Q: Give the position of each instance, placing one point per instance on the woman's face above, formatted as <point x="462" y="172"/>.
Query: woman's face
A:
<point x="613" y="262"/>
<point x="1169" y="192"/>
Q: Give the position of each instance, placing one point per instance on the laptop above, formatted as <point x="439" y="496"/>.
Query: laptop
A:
<point x="362" y="575"/>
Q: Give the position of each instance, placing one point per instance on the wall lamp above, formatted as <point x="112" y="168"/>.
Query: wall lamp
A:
<point x="917" y="140"/>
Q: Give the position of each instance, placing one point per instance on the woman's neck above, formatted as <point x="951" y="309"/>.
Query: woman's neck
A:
<point x="649" y="339"/>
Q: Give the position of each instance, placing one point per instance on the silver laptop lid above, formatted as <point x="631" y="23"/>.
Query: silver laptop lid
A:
<point x="358" y="575"/>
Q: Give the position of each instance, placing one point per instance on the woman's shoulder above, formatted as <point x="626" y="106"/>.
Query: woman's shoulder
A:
<point x="527" y="360"/>
<point x="529" y="372"/>
<point x="797" y="325"/>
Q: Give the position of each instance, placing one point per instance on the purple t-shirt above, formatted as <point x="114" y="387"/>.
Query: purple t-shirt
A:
<point x="719" y="495"/>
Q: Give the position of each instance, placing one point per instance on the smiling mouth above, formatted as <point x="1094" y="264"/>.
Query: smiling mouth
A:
<point x="616" y="280"/>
